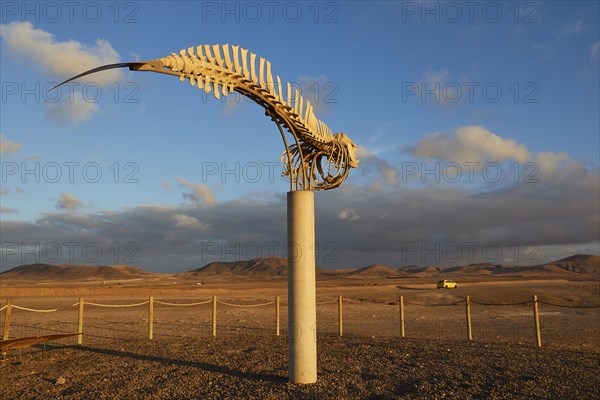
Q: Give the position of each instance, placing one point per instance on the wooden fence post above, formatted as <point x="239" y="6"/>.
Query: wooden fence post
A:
<point x="277" y="315"/>
<point x="340" y="319"/>
<point x="468" y="311"/>
<point x="401" y="306"/>
<point x="8" y="310"/>
<point x="80" y="322"/>
<point x="536" y="317"/>
<point x="151" y="317"/>
<point x="214" y="316"/>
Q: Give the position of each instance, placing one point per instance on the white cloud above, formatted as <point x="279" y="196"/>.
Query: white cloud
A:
<point x="550" y="162"/>
<point x="62" y="59"/>
<point x="388" y="175"/>
<point x="74" y="111"/>
<point x="68" y="202"/>
<point x="574" y="26"/>
<point x="439" y="89"/>
<point x="200" y="193"/>
<point x="579" y="23"/>
<point x="436" y="76"/>
<point x="348" y="214"/>
<point x="546" y="49"/>
<point x="470" y="144"/>
<point x="590" y="68"/>
<point x="320" y="91"/>
<point x="186" y="221"/>
<point x="595" y="51"/>
<point x="8" y="146"/>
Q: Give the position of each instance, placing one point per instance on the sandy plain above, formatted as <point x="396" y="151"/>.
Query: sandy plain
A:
<point x="247" y="359"/>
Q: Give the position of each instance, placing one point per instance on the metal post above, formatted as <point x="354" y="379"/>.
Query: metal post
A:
<point x="302" y="313"/>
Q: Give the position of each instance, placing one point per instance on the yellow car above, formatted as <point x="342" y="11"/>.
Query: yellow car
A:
<point x="446" y="284"/>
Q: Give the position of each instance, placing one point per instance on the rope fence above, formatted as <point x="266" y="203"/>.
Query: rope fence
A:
<point x="501" y="304"/>
<point x="435" y="305"/>
<point x="245" y="305"/>
<point x="33" y="309"/>
<point x="132" y="328"/>
<point x="112" y="305"/>
<point x="181" y="304"/>
<point x="327" y="302"/>
<point x="565" y="306"/>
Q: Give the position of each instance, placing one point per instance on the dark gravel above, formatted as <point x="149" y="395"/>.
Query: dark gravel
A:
<point x="256" y="368"/>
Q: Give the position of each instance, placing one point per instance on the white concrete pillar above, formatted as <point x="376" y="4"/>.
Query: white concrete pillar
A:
<point x="302" y="309"/>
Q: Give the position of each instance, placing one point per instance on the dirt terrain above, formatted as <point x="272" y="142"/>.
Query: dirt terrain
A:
<point x="247" y="360"/>
<point x="247" y="367"/>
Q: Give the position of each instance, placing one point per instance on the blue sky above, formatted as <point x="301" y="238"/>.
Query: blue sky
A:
<point x="477" y="125"/>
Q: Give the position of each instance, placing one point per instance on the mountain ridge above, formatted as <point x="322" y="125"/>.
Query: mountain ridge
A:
<point x="40" y="271"/>
<point x="575" y="265"/>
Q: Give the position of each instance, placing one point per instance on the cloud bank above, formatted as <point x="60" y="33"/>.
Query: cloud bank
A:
<point x="61" y="59"/>
<point x="520" y="223"/>
<point x="68" y="202"/>
<point x="470" y="144"/>
<point x="199" y="194"/>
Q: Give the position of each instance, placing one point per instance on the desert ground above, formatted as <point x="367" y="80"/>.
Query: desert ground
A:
<point x="247" y="360"/>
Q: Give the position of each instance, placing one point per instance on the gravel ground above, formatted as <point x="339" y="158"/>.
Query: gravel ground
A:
<point x="252" y="367"/>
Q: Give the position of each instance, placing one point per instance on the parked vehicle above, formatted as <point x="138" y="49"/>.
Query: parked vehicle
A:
<point x="447" y="284"/>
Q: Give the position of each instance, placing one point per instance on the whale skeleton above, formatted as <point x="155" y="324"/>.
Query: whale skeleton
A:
<point x="317" y="159"/>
